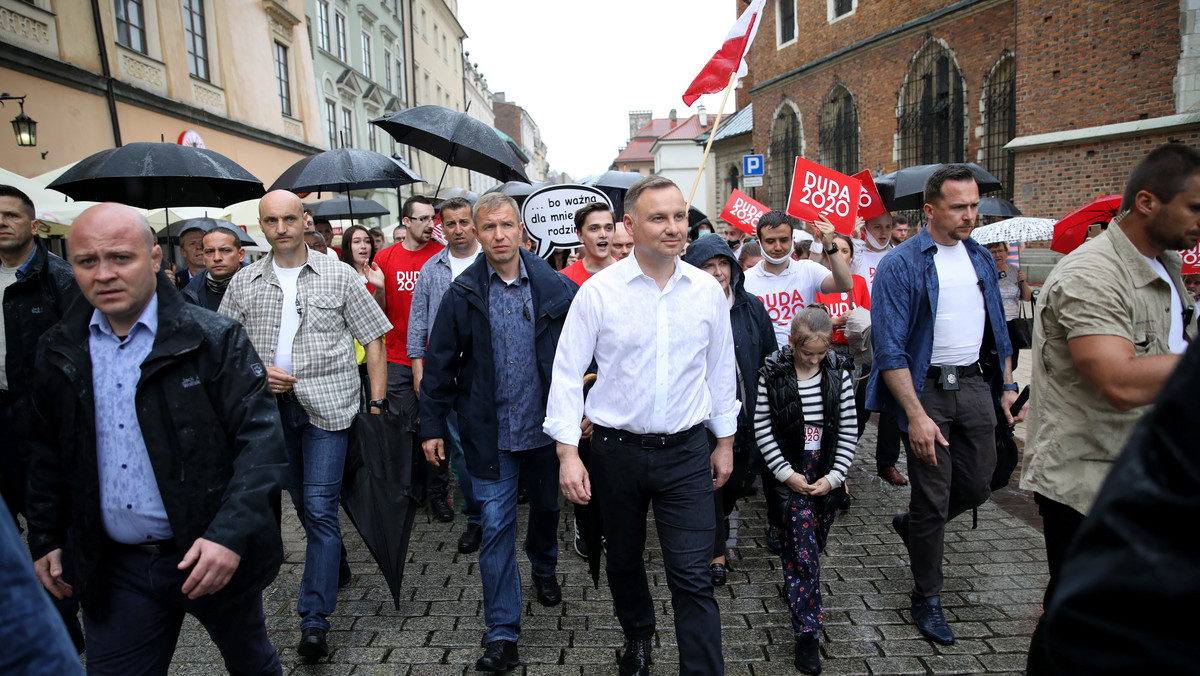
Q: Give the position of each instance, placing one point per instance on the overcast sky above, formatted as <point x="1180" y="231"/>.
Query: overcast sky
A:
<point x="579" y="67"/>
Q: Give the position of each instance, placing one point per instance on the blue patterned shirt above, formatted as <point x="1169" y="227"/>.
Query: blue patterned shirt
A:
<point x="519" y="413"/>
<point x="130" y="503"/>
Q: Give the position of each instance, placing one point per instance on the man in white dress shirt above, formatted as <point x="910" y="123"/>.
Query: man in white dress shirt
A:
<point x="666" y="372"/>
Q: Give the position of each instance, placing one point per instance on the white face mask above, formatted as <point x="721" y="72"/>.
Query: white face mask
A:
<point x="776" y="261"/>
<point x="876" y="244"/>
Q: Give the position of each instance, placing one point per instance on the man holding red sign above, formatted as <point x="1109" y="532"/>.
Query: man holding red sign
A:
<point x="786" y="286"/>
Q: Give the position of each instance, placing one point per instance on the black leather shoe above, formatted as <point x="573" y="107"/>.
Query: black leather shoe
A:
<point x="773" y="542"/>
<point x="900" y="525"/>
<point x="312" y="644"/>
<point x="808" y="654"/>
<point x="498" y="656"/>
<point x="635" y="661"/>
<point x="470" y="539"/>
<point x="441" y="509"/>
<point x="548" y="591"/>
<point x="718" y="574"/>
<point x="927" y="615"/>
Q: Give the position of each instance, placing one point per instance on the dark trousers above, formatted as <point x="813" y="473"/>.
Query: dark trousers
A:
<point x="887" y="443"/>
<point x="136" y="630"/>
<point x="725" y="498"/>
<point x="1059" y="525"/>
<point x="403" y="400"/>
<point x="959" y="482"/>
<point x="678" y="478"/>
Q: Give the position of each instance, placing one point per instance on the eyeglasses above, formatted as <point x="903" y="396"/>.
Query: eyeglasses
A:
<point x="421" y="219"/>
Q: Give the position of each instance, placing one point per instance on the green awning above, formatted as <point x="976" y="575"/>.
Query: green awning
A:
<point x="513" y="144"/>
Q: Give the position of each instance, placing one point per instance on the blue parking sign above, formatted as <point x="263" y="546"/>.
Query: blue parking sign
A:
<point x="752" y="165"/>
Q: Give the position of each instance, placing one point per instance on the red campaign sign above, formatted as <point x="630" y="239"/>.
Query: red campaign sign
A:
<point x="743" y="212"/>
<point x="819" y="191"/>
<point x="870" y="204"/>
<point x="1191" y="260"/>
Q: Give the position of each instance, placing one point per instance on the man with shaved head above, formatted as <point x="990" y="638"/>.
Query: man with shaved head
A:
<point x="158" y="443"/>
<point x="303" y="312"/>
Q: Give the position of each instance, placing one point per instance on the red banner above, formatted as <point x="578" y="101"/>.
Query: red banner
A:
<point x="819" y="191"/>
<point x="1191" y="260"/>
<point x="870" y="204"/>
<point x="742" y="212"/>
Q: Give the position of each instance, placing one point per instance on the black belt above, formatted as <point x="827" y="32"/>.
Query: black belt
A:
<point x="968" y="371"/>
<point x="649" y="440"/>
<point x="159" y="548"/>
<point x="290" y="395"/>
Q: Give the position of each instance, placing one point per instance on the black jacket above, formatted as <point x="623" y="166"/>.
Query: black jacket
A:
<point x="196" y="292"/>
<point x="212" y="431"/>
<point x="753" y="332"/>
<point x="459" y="371"/>
<point x="31" y="306"/>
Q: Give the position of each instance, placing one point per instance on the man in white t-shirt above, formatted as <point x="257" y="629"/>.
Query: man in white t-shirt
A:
<point x="786" y="286"/>
<point x="875" y="244"/>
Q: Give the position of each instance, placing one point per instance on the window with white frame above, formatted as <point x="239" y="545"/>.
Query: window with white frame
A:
<point x="323" y="24"/>
<point x="387" y="69"/>
<point x="348" y="127"/>
<point x="131" y="24"/>
<point x="282" y="81"/>
<point x="840" y="9"/>
<point x="785" y="22"/>
<point x="195" y="36"/>
<point x="368" y="70"/>
<point x="339" y="34"/>
<point x="371" y="138"/>
<point x="331" y="123"/>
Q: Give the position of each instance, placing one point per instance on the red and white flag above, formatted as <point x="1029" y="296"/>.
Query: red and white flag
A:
<point x="714" y="77"/>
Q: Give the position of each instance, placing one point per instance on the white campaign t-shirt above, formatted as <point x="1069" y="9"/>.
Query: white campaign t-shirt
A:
<point x="958" y="326"/>
<point x="865" y="262"/>
<point x="787" y="293"/>
<point x="1175" y="339"/>
<point x="457" y="265"/>
<point x="289" y="318"/>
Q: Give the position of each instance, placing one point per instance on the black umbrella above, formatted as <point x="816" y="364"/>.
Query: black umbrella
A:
<point x="518" y="190"/>
<point x="343" y="170"/>
<point x="205" y="224"/>
<point x="152" y="175"/>
<point x="450" y="193"/>
<point x="347" y="207"/>
<point x="996" y="206"/>
<point x="378" y="492"/>
<point x="909" y="192"/>
<point x="456" y="139"/>
<point x="621" y="180"/>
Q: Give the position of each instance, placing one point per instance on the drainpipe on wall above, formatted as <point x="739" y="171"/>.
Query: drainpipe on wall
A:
<point x="109" y="94"/>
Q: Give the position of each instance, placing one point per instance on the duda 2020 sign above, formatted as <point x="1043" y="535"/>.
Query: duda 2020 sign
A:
<point x="549" y="215"/>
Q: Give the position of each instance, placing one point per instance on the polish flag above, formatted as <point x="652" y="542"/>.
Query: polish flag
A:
<point x="714" y="77"/>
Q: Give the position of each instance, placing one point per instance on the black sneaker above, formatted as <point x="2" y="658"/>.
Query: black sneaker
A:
<point x="498" y="656"/>
<point x="773" y="542"/>
<point x="931" y="621"/>
<point x="471" y="538"/>
<point x="312" y="644"/>
<point x="441" y="509"/>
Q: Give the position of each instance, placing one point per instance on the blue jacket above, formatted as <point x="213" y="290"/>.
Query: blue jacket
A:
<point x="459" y="369"/>
<point x="753" y="332"/>
<point x="903" y="305"/>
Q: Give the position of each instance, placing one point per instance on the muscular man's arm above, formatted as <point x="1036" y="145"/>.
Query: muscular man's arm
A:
<point x="1110" y="364"/>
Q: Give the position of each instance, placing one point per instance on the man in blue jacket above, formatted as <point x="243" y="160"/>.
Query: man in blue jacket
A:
<point x="489" y="358"/>
<point x="937" y="320"/>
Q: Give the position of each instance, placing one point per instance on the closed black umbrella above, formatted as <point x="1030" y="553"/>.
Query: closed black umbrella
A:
<point x="152" y="175"/>
<point x="347" y="207"/>
<point x="909" y="190"/>
<point x="343" y="170"/>
<point x="456" y="139"/>
<point x="205" y="224"/>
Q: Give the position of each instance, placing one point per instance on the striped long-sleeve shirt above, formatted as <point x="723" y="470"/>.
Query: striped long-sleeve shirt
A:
<point x="810" y="399"/>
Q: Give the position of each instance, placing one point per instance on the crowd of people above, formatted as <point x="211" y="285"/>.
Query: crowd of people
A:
<point x="157" y="414"/>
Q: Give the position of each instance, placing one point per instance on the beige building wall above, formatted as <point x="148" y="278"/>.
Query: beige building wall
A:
<point x="437" y="78"/>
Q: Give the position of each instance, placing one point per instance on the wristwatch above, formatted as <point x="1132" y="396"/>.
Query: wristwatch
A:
<point x="381" y="404"/>
<point x="1010" y="387"/>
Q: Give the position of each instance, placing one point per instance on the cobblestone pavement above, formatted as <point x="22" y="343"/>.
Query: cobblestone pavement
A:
<point x="994" y="580"/>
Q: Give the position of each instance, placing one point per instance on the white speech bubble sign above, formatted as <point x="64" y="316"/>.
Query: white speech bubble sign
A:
<point x="549" y="215"/>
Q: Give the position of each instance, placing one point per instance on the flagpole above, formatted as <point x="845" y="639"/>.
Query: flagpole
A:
<point x="712" y="135"/>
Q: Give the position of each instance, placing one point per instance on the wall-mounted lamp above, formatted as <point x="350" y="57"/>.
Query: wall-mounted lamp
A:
<point x="24" y="127"/>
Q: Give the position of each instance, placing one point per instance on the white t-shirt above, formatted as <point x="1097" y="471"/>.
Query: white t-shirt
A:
<point x="865" y="262"/>
<point x="457" y="265"/>
<point x="289" y="318"/>
<point x="787" y="293"/>
<point x="1175" y="339"/>
<point x="8" y="277"/>
<point x="958" y="326"/>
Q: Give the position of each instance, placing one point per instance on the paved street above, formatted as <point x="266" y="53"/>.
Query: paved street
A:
<point x="994" y="580"/>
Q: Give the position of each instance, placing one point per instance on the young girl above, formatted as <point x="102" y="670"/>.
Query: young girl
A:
<point x="805" y="425"/>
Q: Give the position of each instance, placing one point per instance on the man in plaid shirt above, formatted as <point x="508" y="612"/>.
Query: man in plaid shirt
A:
<point x="301" y="310"/>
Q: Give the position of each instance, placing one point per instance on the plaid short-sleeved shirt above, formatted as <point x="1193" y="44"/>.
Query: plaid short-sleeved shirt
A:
<point x="335" y="309"/>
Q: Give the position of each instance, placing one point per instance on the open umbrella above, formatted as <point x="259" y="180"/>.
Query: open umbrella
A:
<point x="909" y="185"/>
<point x="1020" y="229"/>
<point x="347" y="207"/>
<point x="996" y="206"/>
<point x="456" y="139"/>
<point x="450" y="193"/>
<point x="378" y="492"/>
<point x="343" y="170"/>
<point x="179" y="227"/>
<point x="621" y="180"/>
<point x="1072" y="230"/>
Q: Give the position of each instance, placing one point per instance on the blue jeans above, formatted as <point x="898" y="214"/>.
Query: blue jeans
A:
<point x="316" y="458"/>
<point x="459" y="461"/>
<point x="498" y="551"/>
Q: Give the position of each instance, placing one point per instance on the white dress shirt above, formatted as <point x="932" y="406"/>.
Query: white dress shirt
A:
<point x="665" y="358"/>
